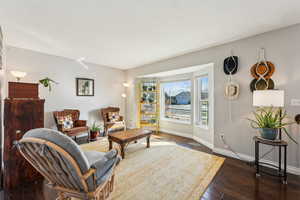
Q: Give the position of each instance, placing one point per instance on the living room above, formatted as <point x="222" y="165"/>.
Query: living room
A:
<point x="150" y="100"/>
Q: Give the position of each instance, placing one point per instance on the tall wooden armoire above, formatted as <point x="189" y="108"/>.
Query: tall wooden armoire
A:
<point x="20" y="115"/>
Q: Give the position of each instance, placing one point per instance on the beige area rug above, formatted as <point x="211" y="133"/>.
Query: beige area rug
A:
<point x="165" y="171"/>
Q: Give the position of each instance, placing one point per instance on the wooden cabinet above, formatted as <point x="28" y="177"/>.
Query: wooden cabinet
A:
<point x="20" y="115"/>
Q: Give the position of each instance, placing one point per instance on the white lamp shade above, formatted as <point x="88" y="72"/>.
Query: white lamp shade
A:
<point x="268" y="98"/>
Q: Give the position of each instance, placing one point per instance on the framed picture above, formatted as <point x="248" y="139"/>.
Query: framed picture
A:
<point x="84" y="87"/>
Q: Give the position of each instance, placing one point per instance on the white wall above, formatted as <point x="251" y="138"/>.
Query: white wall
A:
<point x="282" y="48"/>
<point x="108" y="83"/>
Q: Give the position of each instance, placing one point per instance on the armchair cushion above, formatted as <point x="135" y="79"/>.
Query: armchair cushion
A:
<point x="76" y="130"/>
<point x="94" y="156"/>
<point x="64" y="142"/>
<point x="113" y="116"/>
<point x="116" y="126"/>
<point x="79" y="123"/>
<point x="103" y="163"/>
<point x="66" y="122"/>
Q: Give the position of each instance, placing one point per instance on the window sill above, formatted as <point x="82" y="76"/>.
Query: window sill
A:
<point x="176" y="121"/>
<point x="201" y="126"/>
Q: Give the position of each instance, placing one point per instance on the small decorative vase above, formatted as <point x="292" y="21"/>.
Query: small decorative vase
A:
<point x="268" y="133"/>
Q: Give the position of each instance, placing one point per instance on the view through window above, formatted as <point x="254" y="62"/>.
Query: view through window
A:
<point x="177" y="100"/>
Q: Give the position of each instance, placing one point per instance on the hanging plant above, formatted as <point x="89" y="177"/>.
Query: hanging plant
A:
<point x="46" y="82"/>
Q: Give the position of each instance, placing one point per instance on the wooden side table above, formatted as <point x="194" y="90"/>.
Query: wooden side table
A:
<point x="280" y="144"/>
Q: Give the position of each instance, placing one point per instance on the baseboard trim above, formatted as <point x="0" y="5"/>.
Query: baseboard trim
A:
<point x="225" y="152"/>
<point x="205" y="143"/>
<point x="228" y="153"/>
<point x="176" y="133"/>
<point x="197" y="139"/>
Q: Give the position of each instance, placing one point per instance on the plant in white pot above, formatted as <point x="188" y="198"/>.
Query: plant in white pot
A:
<point x="268" y="121"/>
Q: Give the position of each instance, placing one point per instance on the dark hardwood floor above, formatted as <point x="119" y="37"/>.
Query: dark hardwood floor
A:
<point x="235" y="181"/>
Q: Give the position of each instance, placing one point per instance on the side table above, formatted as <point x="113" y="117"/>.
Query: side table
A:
<point x="280" y="144"/>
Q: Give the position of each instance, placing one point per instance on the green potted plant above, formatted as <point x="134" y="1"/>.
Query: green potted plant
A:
<point x="94" y="131"/>
<point x="268" y="121"/>
<point x="46" y="82"/>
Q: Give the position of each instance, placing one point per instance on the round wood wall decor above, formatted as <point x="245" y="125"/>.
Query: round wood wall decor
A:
<point x="258" y="70"/>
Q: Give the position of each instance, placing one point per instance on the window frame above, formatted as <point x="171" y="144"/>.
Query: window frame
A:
<point x="197" y="109"/>
<point x="162" y="101"/>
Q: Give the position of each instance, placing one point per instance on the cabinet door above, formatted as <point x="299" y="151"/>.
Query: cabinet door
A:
<point x="19" y="118"/>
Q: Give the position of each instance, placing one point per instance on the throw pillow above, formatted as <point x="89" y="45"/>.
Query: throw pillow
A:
<point x="113" y="116"/>
<point x="65" y="121"/>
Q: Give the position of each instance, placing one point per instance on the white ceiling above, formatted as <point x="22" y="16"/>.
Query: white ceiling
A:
<point x="130" y="33"/>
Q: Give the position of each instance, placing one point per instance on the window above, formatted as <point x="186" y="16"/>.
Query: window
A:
<point x="203" y="101"/>
<point x="176" y="100"/>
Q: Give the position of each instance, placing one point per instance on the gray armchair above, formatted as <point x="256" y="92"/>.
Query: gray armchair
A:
<point x="69" y="170"/>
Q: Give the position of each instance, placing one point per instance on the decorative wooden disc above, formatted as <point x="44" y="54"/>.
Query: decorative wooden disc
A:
<point x="232" y="90"/>
<point x="261" y="84"/>
<point x="258" y="70"/>
<point x="230" y="65"/>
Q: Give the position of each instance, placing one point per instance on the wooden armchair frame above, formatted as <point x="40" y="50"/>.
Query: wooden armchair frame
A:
<point x="65" y="184"/>
<point x="107" y="124"/>
<point x="80" y="126"/>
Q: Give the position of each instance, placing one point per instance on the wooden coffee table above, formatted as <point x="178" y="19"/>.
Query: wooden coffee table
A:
<point x="125" y="137"/>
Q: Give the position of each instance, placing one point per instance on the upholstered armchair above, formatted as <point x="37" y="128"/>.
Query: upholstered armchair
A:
<point x="69" y="170"/>
<point x="112" y="120"/>
<point x="77" y="127"/>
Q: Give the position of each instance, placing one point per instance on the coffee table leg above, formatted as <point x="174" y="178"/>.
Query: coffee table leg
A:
<point x="122" y="151"/>
<point x="148" y="142"/>
<point x="110" y="144"/>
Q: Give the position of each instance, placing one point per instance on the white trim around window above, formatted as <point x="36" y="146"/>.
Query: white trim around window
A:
<point x="202" y="94"/>
<point x="207" y="72"/>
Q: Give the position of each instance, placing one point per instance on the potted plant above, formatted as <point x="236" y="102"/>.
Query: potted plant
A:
<point x="268" y="121"/>
<point x="46" y="82"/>
<point x="94" y="131"/>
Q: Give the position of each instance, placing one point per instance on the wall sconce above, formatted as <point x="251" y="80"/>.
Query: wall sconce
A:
<point x="126" y="84"/>
<point x="124" y="95"/>
<point x="18" y="74"/>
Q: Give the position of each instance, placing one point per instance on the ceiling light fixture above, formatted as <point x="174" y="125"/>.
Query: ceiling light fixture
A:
<point x="126" y="84"/>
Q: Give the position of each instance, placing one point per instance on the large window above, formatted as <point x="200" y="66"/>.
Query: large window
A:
<point x="203" y="101"/>
<point x="176" y="100"/>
